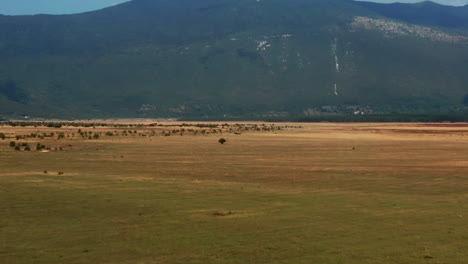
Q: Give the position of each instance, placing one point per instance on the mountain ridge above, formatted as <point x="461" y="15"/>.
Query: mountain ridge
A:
<point x="222" y="58"/>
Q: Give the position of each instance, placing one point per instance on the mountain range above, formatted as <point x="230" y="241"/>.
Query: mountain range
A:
<point x="235" y="58"/>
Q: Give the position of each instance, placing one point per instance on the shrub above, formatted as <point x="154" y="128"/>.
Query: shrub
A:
<point x="222" y="140"/>
<point x="55" y="125"/>
<point x="12" y="144"/>
<point x="27" y="148"/>
<point x="17" y="148"/>
<point x="2" y="136"/>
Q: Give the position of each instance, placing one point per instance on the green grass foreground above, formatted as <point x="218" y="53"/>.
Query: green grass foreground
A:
<point x="325" y="193"/>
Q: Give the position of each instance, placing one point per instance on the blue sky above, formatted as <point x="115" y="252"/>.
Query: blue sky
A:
<point x="23" y="7"/>
<point x="444" y="2"/>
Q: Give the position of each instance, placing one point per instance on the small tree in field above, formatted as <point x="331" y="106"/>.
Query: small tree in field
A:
<point x="61" y="135"/>
<point x="2" y="136"/>
<point x="222" y="140"/>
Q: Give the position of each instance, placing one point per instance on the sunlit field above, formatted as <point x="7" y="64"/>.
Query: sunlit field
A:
<point x="272" y="193"/>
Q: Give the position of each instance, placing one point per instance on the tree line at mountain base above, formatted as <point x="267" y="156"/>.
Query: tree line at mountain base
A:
<point x="425" y="118"/>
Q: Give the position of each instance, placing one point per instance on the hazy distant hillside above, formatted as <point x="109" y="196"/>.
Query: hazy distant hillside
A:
<point x="205" y="58"/>
<point x="424" y="13"/>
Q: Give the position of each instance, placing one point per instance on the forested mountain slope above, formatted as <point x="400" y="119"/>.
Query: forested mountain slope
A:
<point x="225" y="58"/>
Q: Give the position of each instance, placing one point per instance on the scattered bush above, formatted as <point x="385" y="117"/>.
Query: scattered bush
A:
<point x="27" y="148"/>
<point x="12" y="144"/>
<point x="61" y="135"/>
<point x="2" y="136"/>
<point x="55" y="125"/>
<point x="222" y="140"/>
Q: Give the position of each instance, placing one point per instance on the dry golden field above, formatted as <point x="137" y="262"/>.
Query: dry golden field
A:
<point x="273" y="193"/>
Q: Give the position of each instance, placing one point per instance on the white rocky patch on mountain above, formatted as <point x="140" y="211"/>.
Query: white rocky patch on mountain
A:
<point x="392" y="28"/>
<point x="333" y="48"/>
<point x="262" y="45"/>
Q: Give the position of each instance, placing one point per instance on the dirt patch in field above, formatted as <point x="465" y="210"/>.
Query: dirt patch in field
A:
<point x="224" y="214"/>
<point x="416" y="131"/>
<point x="402" y="130"/>
<point x="441" y="125"/>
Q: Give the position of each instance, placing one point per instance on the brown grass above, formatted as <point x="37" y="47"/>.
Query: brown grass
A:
<point x="323" y="193"/>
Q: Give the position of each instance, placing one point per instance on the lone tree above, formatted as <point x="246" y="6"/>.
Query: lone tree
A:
<point x="222" y="140"/>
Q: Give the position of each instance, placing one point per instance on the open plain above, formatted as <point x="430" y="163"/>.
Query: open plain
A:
<point x="273" y="193"/>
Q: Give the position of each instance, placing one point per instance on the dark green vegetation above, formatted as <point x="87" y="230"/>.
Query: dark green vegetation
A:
<point x="224" y="58"/>
<point x="324" y="193"/>
<point x="12" y="92"/>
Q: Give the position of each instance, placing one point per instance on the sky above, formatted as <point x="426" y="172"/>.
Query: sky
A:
<point x="29" y="7"/>
<point x="444" y="2"/>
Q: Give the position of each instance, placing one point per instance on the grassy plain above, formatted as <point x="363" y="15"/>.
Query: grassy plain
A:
<point x="320" y="193"/>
